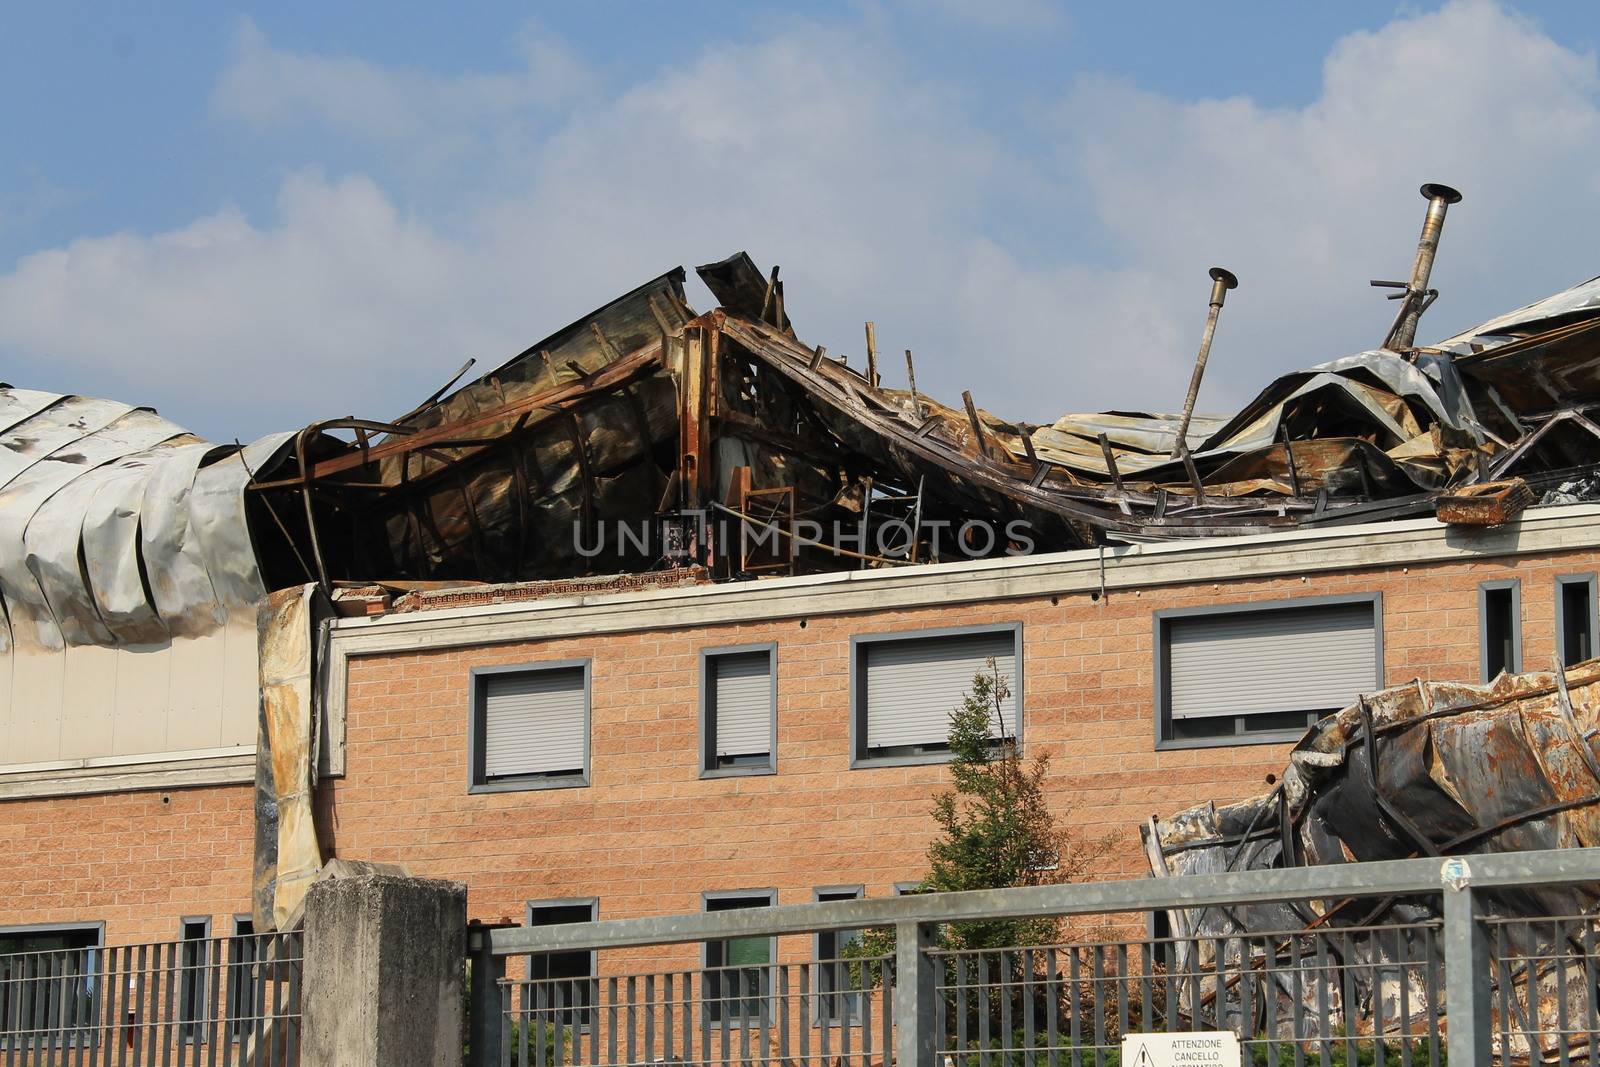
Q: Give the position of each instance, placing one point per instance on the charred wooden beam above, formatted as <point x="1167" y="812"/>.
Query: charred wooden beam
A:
<point x="978" y="436"/>
<point x="911" y="380"/>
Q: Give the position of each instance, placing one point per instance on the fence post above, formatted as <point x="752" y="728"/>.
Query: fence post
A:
<point x="915" y="987"/>
<point x="1466" y="970"/>
<point x="384" y="963"/>
<point x="486" y="1023"/>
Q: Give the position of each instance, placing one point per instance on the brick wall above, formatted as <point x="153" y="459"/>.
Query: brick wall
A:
<point x="648" y="836"/>
<point x="139" y="862"/>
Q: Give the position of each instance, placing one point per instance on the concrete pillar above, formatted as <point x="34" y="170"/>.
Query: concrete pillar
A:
<point x="383" y="972"/>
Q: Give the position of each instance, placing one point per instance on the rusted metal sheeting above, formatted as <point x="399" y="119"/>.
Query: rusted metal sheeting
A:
<point x="287" y="853"/>
<point x="1139" y="442"/>
<point x="490" y="482"/>
<point x="1425" y="768"/>
<point x="1422" y="769"/>
<point x="1580" y="301"/>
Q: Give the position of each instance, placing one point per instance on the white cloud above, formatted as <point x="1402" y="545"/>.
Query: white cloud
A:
<point x="426" y="116"/>
<point x="223" y="322"/>
<point x="1306" y="205"/>
<point x="876" y="190"/>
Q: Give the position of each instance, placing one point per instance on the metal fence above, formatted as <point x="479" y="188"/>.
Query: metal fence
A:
<point x="1449" y="982"/>
<point x="190" y="1003"/>
<point x="828" y="1012"/>
<point x="1544" y="1004"/>
<point x="1289" y="995"/>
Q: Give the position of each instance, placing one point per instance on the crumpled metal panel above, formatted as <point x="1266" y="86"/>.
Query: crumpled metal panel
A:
<point x="32" y="439"/>
<point x="181" y="585"/>
<point x="17" y="405"/>
<point x="1425" y="768"/>
<point x="217" y="516"/>
<point x="106" y="542"/>
<point x="287" y="853"/>
<point x="111" y="548"/>
<point x="1581" y="299"/>
<point x="1138" y="442"/>
<point x="1469" y="767"/>
<point x="46" y="532"/>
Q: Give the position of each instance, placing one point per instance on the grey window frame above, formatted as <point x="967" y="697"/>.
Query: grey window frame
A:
<point x="1562" y="581"/>
<point x="851" y="1015"/>
<point x="593" y="904"/>
<point x="735" y="1023"/>
<point x="197" y="1025"/>
<point x="234" y="1026"/>
<point x="859" y="643"/>
<point x="9" y="1044"/>
<point x="477" y="781"/>
<point x="708" y="754"/>
<point x="1515" y="585"/>
<point x="1161" y="621"/>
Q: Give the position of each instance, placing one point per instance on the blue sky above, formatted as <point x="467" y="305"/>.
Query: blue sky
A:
<point x="253" y="219"/>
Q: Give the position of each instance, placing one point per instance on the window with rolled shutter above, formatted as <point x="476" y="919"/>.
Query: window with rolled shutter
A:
<point x="907" y="689"/>
<point x="1273" y="670"/>
<point x="738" y="694"/>
<point x="533" y="725"/>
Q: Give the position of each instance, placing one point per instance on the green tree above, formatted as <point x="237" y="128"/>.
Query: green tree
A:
<point x="996" y="828"/>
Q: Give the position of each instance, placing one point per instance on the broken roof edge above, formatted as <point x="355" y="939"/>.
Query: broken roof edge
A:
<point x="1296" y="551"/>
<point x="672" y="280"/>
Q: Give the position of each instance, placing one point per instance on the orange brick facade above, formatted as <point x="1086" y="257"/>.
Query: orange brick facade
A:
<point x="138" y="862"/>
<point x="649" y="835"/>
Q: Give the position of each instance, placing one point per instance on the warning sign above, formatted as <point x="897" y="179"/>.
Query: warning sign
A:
<point x="1202" y="1048"/>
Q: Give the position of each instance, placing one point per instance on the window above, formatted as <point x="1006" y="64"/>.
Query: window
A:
<point x="903" y="689"/>
<point x="193" y="960"/>
<point x="49" y="969"/>
<point x="737" y="975"/>
<point x="566" y="989"/>
<point x="1576" y="621"/>
<point x="1500" y="628"/>
<point x="738" y="710"/>
<point x="244" y="992"/>
<point x="1262" y="672"/>
<point x="838" y="997"/>
<point x="530" y="727"/>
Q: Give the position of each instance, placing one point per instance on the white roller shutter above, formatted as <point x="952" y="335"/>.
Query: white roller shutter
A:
<point x="913" y="685"/>
<point x="1294" y="659"/>
<point x="742" y="693"/>
<point x="534" y="722"/>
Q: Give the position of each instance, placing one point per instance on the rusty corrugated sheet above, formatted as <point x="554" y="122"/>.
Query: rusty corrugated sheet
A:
<point x="1429" y="768"/>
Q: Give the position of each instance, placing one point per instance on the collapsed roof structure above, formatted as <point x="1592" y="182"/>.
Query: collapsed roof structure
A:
<point x="135" y="557"/>
<point x="646" y="411"/>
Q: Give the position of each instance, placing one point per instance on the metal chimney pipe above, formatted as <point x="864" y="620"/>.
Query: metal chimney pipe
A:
<point x="1221" y="281"/>
<point x="1416" y="298"/>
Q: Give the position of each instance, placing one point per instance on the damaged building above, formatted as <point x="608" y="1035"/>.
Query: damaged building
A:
<point x="672" y="607"/>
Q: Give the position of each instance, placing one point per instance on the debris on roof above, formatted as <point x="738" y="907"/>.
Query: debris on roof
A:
<point x="648" y="436"/>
